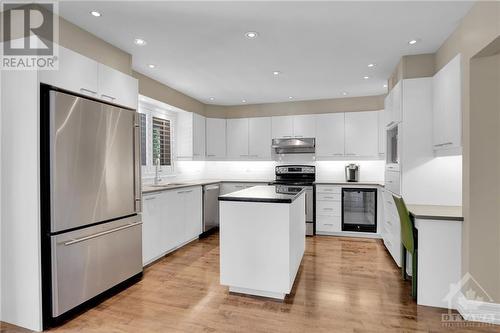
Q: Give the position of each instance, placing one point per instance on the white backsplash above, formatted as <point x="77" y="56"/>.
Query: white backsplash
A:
<point x="264" y="170"/>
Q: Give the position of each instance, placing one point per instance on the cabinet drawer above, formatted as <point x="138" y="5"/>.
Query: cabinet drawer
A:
<point x="393" y="181"/>
<point x="328" y="223"/>
<point x="328" y="208"/>
<point x="328" y="196"/>
<point x="328" y="189"/>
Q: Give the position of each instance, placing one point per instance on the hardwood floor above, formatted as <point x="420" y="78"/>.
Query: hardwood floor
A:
<point x="344" y="285"/>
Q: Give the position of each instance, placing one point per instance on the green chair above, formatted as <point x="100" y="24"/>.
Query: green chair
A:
<point x="408" y="243"/>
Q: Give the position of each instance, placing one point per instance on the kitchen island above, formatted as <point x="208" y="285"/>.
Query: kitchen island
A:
<point x="262" y="240"/>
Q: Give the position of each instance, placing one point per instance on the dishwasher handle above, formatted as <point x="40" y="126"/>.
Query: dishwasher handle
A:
<point x="211" y="188"/>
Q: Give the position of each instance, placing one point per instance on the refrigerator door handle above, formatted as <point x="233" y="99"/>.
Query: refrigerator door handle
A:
<point x="99" y="234"/>
<point x="137" y="164"/>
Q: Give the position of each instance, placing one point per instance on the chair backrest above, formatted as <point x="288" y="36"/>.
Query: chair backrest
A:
<point x="406" y="225"/>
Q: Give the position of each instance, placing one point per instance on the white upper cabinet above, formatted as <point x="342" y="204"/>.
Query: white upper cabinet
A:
<point x="199" y="134"/>
<point x="447" y="106"/>
<point x="382" y="133"/>
<point x="117" y="87"/>
<point x="304" y="126"/>
<point x="394" y="105"/>
<point x="282" y="127"/>
<point x="76" y="73"/>
<point x="216" y="137"/>
<point x="361" y="134"/>
<point x="237" y="138"/>
<point x="85" y="76"/>
<point x="190" y="136"/>
<point x="259" y="137"/>
<point x="330" y="134"/>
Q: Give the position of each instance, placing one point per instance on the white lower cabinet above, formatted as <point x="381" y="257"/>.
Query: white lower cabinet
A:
<point x="170" y="219"/>
<point x="328" y="209"/>
<point x="391" y="227"/>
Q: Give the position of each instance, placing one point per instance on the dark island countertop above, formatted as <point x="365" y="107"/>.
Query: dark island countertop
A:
<point x="261" y="194"/>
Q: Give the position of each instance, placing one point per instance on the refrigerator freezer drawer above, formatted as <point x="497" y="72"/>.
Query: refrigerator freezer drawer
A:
<point x="90" y="261"/>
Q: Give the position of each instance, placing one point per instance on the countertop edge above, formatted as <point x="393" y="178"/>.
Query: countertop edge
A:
<point x="286" y="201"/>
<point x="436" y="217"/>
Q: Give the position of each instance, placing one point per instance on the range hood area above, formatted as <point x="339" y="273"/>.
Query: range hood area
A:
<point x="294" y="145"/>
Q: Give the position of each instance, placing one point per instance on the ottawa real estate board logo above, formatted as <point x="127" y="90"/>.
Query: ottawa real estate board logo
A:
<point x="30" y="32"/>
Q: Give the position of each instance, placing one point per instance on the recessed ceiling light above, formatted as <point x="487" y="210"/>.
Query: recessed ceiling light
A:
<point x="371" y="65"/>
<point x="366" y="77"/>
<point x="95" y="13"/>
<point x="385" y="85"/>
<point x="243" y="101"/>
<point x="151" y="66"/>
<point x="251" y="34"/>
<point x="290" y="97"/>
<point x="139" y="41"/>
<point x="211" y="98"/>
<point x="413" y="41"/>
<point x="345" y="93"/>
<point x="276" y="73"/>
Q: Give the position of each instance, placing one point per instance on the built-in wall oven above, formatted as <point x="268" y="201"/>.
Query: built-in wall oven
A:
<point x="292" y="179"/>
<point x="359" y="209"/>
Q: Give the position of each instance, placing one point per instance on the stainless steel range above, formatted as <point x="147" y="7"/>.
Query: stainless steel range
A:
<point x="291" y="179"/>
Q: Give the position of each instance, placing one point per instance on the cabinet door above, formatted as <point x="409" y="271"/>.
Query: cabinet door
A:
<point x="193" y="213"/>
<point x="397" y="103"/>
<point x="304" y="126"/>
<point x="361" y="133"/>
<point x="382" y="133"/>
<point x="259" y="137"/>
<point x="152" y="220"/>
<point x="447" y="106"/>
<point x="198" y="136"/>
<point x="117" y="87"/>
<point x="282" y="127"/>
<point x="184" y="135"/>
<point x="330" y="134"/>
<point x="216" y="137"/>
<point x="237" y="138"/>
<point x="76" y="73"/>
<point x="173" y="226"/>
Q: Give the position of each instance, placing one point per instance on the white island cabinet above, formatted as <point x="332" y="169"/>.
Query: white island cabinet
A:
<point x="262" y="240"/>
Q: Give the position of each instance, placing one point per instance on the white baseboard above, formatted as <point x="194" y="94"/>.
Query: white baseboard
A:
<point x="484" y="312"/>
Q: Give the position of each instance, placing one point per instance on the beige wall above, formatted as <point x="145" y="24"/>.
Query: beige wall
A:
<point x="484" y="164"/>
<point x="83" y="42"/>
<point x="159" y="91"/>
<point x="413" y="66"/>
<point x="478" y="28"/>
<point x="366" y="103"/>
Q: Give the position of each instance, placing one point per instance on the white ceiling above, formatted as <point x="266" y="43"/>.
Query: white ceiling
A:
<point x="320" y="48"/>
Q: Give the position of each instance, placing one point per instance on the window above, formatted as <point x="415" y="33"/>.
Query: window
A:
<point x="157" y="138"/>
<point x="161" y="142"/>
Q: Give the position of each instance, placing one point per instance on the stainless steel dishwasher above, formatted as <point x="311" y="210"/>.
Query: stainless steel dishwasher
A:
<point x="210" y="206"/>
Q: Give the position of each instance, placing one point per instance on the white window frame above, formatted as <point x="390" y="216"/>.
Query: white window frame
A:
<point x="158" y="110"/>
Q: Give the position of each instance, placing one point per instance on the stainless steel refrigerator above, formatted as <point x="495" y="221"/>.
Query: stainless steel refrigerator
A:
<point x="90" y="199"/>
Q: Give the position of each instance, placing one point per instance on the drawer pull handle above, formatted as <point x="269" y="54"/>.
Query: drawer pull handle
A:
<point x="326" y="208"/>
<point x="108" y="96"/>
<point x="85" y="90"/>
<point x="149" y="198"/>
<point x="79" y="240"/>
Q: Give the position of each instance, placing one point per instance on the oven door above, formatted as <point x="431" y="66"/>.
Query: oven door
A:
<point x="309" y="206"/>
